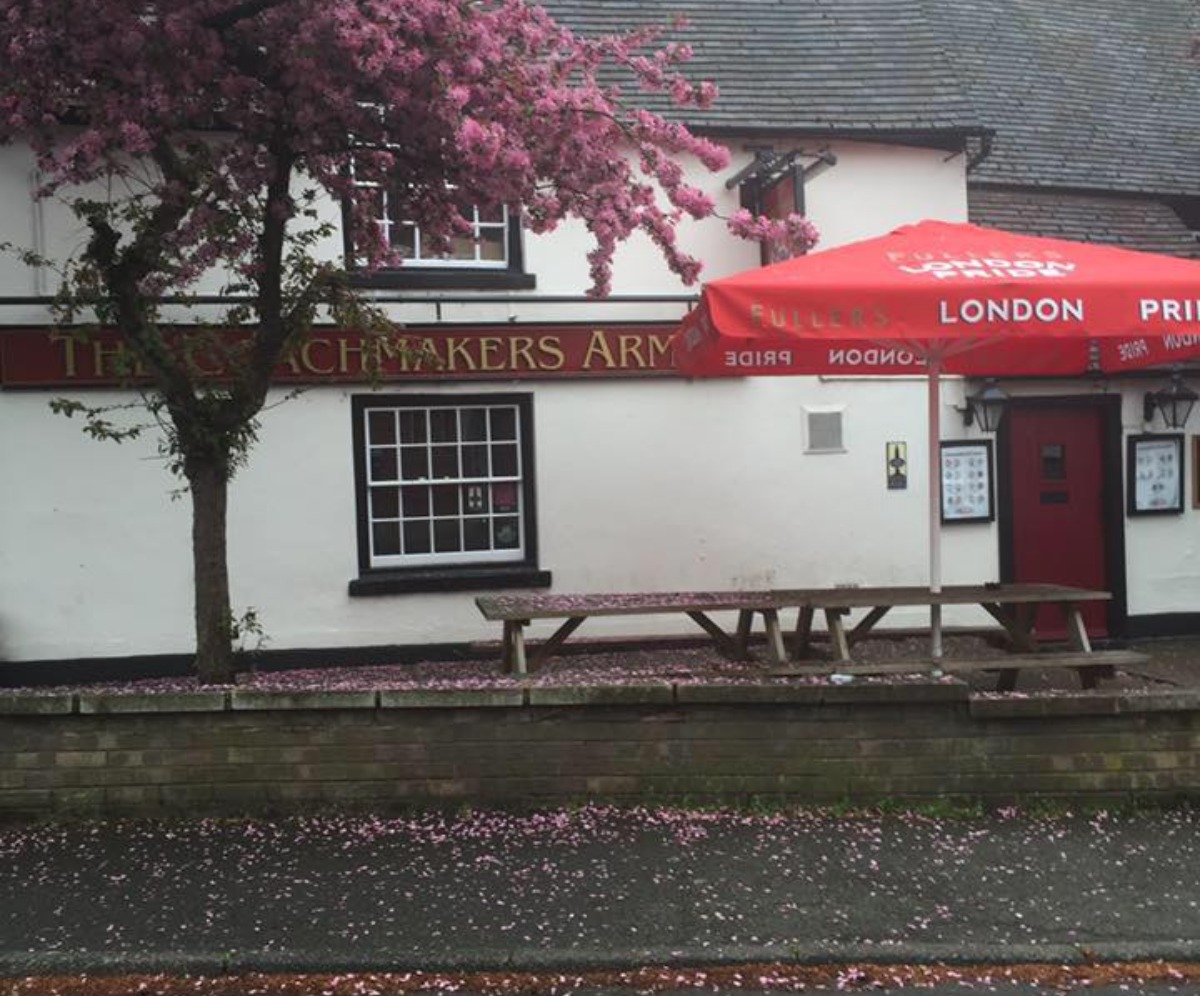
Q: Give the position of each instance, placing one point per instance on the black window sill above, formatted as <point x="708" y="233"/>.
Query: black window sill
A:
<point x="449" y="579"/>
<point x="422" y="278"/>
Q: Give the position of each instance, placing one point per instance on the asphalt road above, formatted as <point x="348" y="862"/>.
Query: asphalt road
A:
<point x="595" y="888"/>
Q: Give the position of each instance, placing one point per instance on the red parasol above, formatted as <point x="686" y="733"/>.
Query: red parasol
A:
<point x="940" y="297"/>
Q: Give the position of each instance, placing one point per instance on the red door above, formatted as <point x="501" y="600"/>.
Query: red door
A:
<point x="1056" y="493"/>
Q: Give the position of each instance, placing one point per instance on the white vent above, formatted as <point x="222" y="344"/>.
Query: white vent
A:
<point x="825" y="431"/>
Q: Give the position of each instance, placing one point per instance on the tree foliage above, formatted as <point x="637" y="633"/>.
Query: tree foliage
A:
<point x="215" y="128"/>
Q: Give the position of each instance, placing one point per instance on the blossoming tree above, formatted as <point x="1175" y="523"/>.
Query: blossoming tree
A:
<point x="215" y="127"/>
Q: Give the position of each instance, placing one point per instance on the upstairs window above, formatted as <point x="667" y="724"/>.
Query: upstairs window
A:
<point x="486" y="247"/>
<point x="489" y="256"/>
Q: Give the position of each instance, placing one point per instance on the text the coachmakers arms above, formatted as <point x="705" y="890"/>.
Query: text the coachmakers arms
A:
<point x="46" y="357"/>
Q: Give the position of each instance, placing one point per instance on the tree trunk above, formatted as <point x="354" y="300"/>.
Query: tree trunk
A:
<point x="214" y="637"/>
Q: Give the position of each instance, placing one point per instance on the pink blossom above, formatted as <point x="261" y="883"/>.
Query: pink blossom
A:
<point x="493" y="94"/>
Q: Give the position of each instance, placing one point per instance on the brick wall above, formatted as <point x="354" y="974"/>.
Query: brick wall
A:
<point x="256" y="751"/>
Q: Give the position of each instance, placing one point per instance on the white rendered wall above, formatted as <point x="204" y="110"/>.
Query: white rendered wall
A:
<point x="641" y="485"/>
<point x="872" y="189"/>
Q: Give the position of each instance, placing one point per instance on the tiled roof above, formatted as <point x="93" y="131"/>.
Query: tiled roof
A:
<point x="805" y="65"/>
<point x="1102" y="95"/>
<point x="1129" y="222"/>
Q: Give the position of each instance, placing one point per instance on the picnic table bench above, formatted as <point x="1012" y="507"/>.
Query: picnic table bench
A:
<point x="517" y="611"/>
<point x="1013" y="606"/>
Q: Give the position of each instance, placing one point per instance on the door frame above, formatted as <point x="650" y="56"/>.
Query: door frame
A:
<point x="1112" y="483"/>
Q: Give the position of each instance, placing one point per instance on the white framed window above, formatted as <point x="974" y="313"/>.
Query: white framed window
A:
<point x="488" y="256"/>
<point x="444" y="481"/>
<point x="487" y="246"/>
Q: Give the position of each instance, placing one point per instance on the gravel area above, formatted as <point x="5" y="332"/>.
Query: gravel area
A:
<point x="1173" y="663"/>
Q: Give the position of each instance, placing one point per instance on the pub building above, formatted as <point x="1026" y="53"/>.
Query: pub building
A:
<point x="519" y="435"/>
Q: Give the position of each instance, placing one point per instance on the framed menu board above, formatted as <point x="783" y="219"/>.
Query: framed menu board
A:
<point x="1195" y="471"/>
<point x="966" y="474"/>
<point x="1154" y="475"/>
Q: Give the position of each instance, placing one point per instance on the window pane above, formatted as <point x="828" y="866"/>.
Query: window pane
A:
<point x="383" y="465"/>
<point x="492" y="215"/>
<point x="413" y="426"/>
<point x="504" y="461"/>
<point x="475" y="498"/>
<point x="1054" y="462"/>
<point x="445" y="461"/>
<point x="416" y="536"/>
<point x="475" y="461"/>
<point x="445" y="536"/>
<point x="386" y="538"/>
<point x="405" y="241"/>
<point x="385" y="503"/>
<point x="445" y="499"/>
<point x="415" y="462"/>
<point x="504" y="497"/>
<point x="444" y="425"/>
<point x="476" y="535"/>
<point x="507" y="533"/>
<point x="416" y="502"/>
<point x="462" y="247"/>
<point x="381" y="427"/>
<point x="474" y="424"/>
<point x="504" y="423"/>
<point x="492" y="244"/>
<point x="371" y="199"/>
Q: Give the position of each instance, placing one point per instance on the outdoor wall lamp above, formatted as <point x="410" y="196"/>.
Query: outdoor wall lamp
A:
<point x="986" y="407"/>
<point x="1174" y="402"/>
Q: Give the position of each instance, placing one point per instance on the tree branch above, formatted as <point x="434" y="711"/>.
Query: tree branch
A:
<point x="240" y="12"/>
<point x="273" y="329"/>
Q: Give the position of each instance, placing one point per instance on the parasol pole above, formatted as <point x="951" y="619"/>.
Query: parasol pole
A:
<point x="935" y="530"/>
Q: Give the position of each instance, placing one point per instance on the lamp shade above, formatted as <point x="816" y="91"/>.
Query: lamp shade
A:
<point x="1175" y="402"/>
<point x="987" y="407"/>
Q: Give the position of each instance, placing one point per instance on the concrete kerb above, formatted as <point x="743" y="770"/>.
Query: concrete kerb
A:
<point x="982" y="705"/>
<point x="531" y="695"/>
<point x="23" y="964"/>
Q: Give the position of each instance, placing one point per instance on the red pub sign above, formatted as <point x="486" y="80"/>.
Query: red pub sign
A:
<point x="49" y="357"/>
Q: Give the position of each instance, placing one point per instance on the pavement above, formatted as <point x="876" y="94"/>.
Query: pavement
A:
<point x="596" y="887"/>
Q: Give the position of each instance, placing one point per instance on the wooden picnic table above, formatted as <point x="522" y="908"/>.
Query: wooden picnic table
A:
<point x="517" y="611"/>
<point x="1013" y="606"/>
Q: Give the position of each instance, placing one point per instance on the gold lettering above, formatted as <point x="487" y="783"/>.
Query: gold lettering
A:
<point x="519" y="353"/>
<point x="427" y="353"/>
<point x="550" y="347"/>
<point x="309" y="361"/>
<point x="68" y="343"/>
<point x="346" y="347"/>
<point x="389" y="350"/>
<point x="109" y="360"/>
<point x="194" y="350"/>
<point x="598" y="346"/>
<point x="456" y="348"/>
<point x="489" y="346"/>
<point x="631" y="348"/>
<point x="660" y="348"/>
